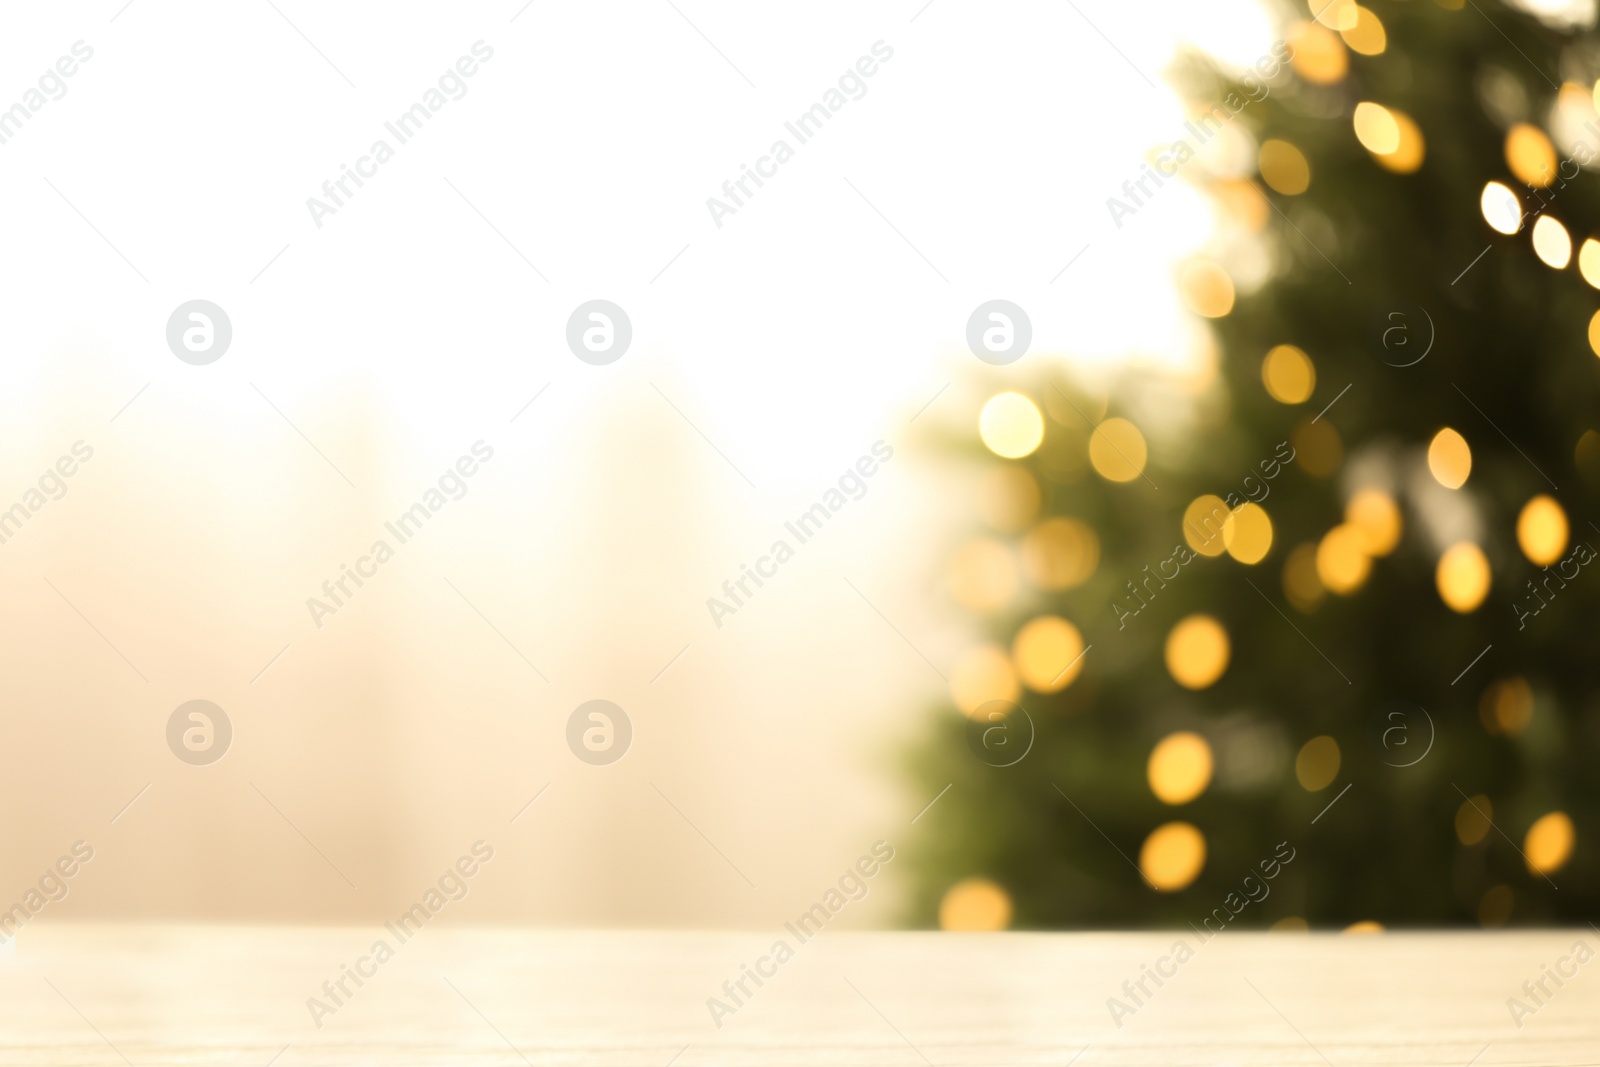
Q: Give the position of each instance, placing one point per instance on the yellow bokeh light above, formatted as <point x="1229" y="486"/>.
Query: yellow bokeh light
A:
<point x="982" y="576"/>
<point x="1342" y="559"/>
<point x="1317" y="764"/>
<point x="1365" y="926"/>
<point x="1376" y="128"/>
<point x="1203" y="521"/>
<point x="1501" y="208"/>
<point x="1336" y="14"/>
<point x="1011" y="425"/>
<point x="1318" y="447"/>
<point x="1589" y="262"/>
<point x="975" y="905"/>
<point x="1506" y="706"/>
<point x="981" y="674"/>
<point x="1284" y="167"/>
<point x="1530" y="155"/>
<point x="1301" y="583"/>
<point x="1367" y="35"/>
<point x="1248" y="533"/>
<point x="1594" y="334"/>
<point x="1206" y="289"/>
<point x="1549" y="843"/>
<point x="1449" y="458"/>
<point x="1180" y="767"/>
<point x="1552" y="243"/>
<point x="1408" y="155"/>
<point x="1290" y="924"/>
<point x="1542" y="530"/>
<point x="1117" y="450"/>
<point x="1242" y="202"/>
<point x="1288" y="374"/>
<point x="1048" y="653"/>
<point x="1060" y="554"/>
<point x="1172" y="856"/>
<point x="1473" y="819"/>
<point x="1377" y="516"/>
<point x="1318" y="55"/>
<point x="1197" y="651"/>
<point x="1008" y="498"/>
<point x="1495" y="907"/>
<point x="1463" y="577"/>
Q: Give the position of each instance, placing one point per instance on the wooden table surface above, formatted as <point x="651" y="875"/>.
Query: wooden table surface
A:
<point x="229" y="995"/>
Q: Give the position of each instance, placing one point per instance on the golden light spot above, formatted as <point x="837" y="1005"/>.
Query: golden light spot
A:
<point x="1589" y="263"/>
<point x="1172" y="856"/>
<point x="1048" y="652"/>
<point x="1317" y="764"/>
<point x="1552" y="243"/>
<point x="1474" y="819"/>
<point x="1197" y="651"/>
<point x="1301" y="584"/>
<point x="1377" y="516"/>
<point x="1463" y="577"/>
<point x="1496" y="906"/>
<point x="1060" y="554"/>
<point x="1117" y="450"/>
<point x="1011" y="425"/>
<point x="1506" y="707"/>
<point x="1206" y="289"/>
<point x="1336" y="14"/>
<point x="1501" y="208"/>
<point x="975" y="905"/>
<point x="1284" y="167"/>
<point x="1412" y="149"/>
<point x="1542" y="530"/>
<point x="1290" y="924"/>
<point x="1549" y="843"/>
<point x="1367" y="35"/>
<point x="1530" y="155"/>
<point x="1594" y="334"/>
<point x="981" y="674"/>
<point x="1180" y="767"/>
<point x="1376" y="128"/>
<point x="1319" y="56"/>
<point x="1342" y="560"/>
<point x="1366" y="926"/>
<point x="1241" y="201"/>
<point x="1288" y="374"/>
<point x="1008" y="498"/>
<point x="1318" y="448"/>
<point x="983" y="575"/>
<point x="1203" y="521"/>
<point x="1449" y="458"/>
<point x="1248" y="533"/>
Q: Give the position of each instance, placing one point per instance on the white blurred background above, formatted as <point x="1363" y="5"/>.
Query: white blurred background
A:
<point x="825" y="315"/>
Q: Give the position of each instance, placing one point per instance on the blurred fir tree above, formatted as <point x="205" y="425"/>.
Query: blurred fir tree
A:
<point x="1371" y="621"/>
